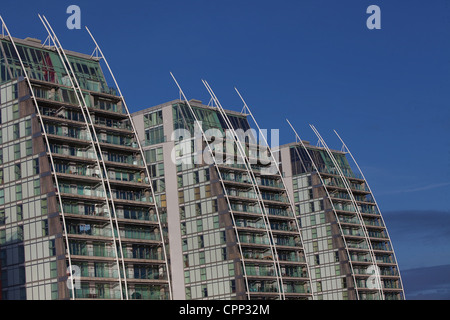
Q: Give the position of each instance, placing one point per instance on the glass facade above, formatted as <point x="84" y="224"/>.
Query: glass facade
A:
<point x="346" y="241"/>
<point x="239" y="238"/>
<point x="78" y="195"/>
<point x="75" y="194"/>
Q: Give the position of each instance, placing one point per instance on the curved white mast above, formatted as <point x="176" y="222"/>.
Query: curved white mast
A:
<point x="97" y="47"/>
<point x="222" y="183"/>
<point x="284" y="185"/>
<point x="332" y="205"/>
<point x="373" y="197"/>
<point x="355" y="204"/>
<point x="44" y="131"/>
<point x="83" y="105"/>
<point x="255" y="187"/>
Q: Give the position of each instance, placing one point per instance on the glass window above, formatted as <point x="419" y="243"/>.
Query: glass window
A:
<point x="19" y="212"/>
<point x="17" y="151"/>
<point x="17" y="171"/>
<point x="37" y="187"/>
<point x="19" y="192"/>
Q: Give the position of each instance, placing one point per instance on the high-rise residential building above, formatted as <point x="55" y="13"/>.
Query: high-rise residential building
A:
<point x="178" y="201"/>
<point x="77" y="212"/>
<point x="232" y="231"/>
<point x="346" y="241"/>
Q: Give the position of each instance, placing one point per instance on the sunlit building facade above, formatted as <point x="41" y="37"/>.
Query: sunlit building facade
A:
<point x="346" y="240"/>
<point x="233" y="233"/>
<point x="178" y="201"/>
<point x="78" y="218"/>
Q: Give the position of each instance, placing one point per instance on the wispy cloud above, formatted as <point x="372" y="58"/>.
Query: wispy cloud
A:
<point x="420" y="238"/>
<point x="416" y="189"/>
<point x="430" y="283"/>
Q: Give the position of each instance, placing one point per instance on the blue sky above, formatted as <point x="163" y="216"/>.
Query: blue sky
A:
<point x="313" y="61"/>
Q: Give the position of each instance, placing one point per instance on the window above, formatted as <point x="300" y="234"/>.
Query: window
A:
<point x="16" y="151"/>
<point x="2" y="238"/>
<point x="16" y="133"/>
<point x="315" y="246"/>
<point x="19" y="212"/>
<point x="196" y="193"/>
<point x="317" y="272"/>
<point x="153" y="119"/>
<point x="17" y="171"/>
<point x="2" y="217"/>
<point x="37" y="187"/>
<point x="201" y="256"/>
<point x="202" y="274"/>
<point x="44" y="206"/>
<point x="19" y="192"/>
<point x="344" y="282"/>
<point x="44" y="227"/>
<point x="319" y="286"/>
<point x="15" y="111"/>
<point x="198" y="209"/>
<point x="314" y="233"/>
<point x="201" y="242"/>
<point x="317" y="259"/>
<point x="199" y="225"/>
<point x="188" y="293"/>
<point x="154" y="135"/>
<point x="208" y="191"/>
<point x="196" y="177"/>
<point x="233" y="286"/>
<point x="338" y="270"/>
<point x="29" y="147"/>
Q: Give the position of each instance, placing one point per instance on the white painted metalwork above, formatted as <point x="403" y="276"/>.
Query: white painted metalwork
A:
<point x="344" y="147"/>
<point x="100" y="162"/>
<point x="332" y="205"/>
<point x="355" y="204"/>
<point x="255" y="186"/>
<point x="143" y="158"/>
<point x="44" y="131"/>
<point x="246" y="107"/>
<point x="221" y="181"/>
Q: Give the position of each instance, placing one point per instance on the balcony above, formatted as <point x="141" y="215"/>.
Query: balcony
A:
<point x="252" y="240"/>
<point x="277" y="213"/>
<point x="78" y="137"/>
<point x="241" y="208"/>
<point x="336" y="184"/>
<point x="332" y="171"/>
<point x="258" y="271"/>
<point x="134" y="182"/>
<point x="263" y="287"/>
<point x="291" y="257"/>
<point x="246" y="224"/>
<point x="119" y="126"/>
<point x="72" y="153"/>
<point x="287" y="242"/>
